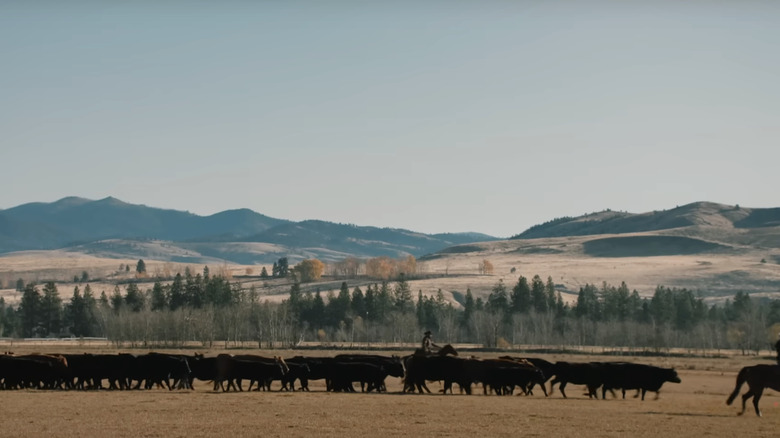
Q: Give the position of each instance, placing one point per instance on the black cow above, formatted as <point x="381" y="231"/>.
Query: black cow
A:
<point x="253" y="368"/>
<point x="391" y="365"/>
<point x="546" y="367"/>
<point x="624" y="375"/>
<point x="340" y="376"/>
<point x="202" y="368"/>
<point x="317" y="370"/>
<point x="21" y="372"/>
<point x="589" y="374"/>
<point x="159" y="369"/>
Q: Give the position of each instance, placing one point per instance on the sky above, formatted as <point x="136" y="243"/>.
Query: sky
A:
<point x="434" y="116"/>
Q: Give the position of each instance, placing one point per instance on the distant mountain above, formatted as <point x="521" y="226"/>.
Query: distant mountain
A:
<point x="113" y="228"/>
<point x="698" y="214"/>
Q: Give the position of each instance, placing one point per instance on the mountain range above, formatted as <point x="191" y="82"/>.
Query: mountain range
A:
<point x="115" y="229"/>
<point x="112" y="228"/>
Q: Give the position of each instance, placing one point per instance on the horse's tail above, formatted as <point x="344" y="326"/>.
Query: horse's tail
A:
<point x="741" y="377"/>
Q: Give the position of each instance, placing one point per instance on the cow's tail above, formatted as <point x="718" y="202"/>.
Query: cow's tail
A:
<point x="741" y="377"/>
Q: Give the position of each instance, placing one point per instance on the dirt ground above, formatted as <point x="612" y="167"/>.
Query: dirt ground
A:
<point x="695" y="407"/>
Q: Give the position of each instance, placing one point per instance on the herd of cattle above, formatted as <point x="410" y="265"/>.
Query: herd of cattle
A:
<point x="341" y="373"/>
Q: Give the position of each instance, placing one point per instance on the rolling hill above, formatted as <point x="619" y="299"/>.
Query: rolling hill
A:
<point x="112" y="228"/>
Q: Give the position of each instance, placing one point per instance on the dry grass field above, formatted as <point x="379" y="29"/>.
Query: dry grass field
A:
<point x="695" y="407"/>
<point x="717" y="275"/>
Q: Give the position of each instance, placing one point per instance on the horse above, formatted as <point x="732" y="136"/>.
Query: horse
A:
<point x="443" y="351"/>
<point x="431" y="364"/>
<point x="757" y="377"/>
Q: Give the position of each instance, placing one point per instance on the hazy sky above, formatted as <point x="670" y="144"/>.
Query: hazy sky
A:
<point x="436" y="116"/>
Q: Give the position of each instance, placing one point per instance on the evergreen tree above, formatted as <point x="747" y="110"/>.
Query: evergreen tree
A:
<point x="159" y="301"/>
<point x="588" y="305"/>
<point x="549" y="289"/>
<point x="20" y="285"/>
<point x="420" y="310"/>
<point x="11" y="324"/>
<point x="177" y="297"/>
<point x="469" y="306"/>
<point x="29" y="310"/>
<point x="103" y="300"/>
<point x="371" y="304"/>
<point x="538" y="294"/>
<point x="194" y="291"/>
<point x="521" y="296"/>
<point x="90" y="306"/>
<point x="134" y="300"/>
<point x="338" y="306"/>
<point x="77" y="314"/>
<point x="402" y="295"/>
<point x="318" y="310"/>
<point x="140" y="267"/>
<point x="264" y="273"/>
<point x="51" y="309"/>
<point x="384" y="301"/>
<point x="117" y="301"/>
<point x="358" y="303"/>
<point x="296" y="298"/>
<point x="497" y="301"/>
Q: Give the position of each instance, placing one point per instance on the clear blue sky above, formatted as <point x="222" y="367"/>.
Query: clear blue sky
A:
<point x="436" y="116"/>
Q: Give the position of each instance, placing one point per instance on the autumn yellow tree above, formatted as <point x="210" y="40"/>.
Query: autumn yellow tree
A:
<point x="407" y="266"/>
<point x="347" y="268"/>
<point x="380" y="267"/>
<point x="309" y="270"/>
<point x="485" y="267"/>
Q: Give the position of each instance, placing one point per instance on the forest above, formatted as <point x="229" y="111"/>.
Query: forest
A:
<point x="210" y="309"/>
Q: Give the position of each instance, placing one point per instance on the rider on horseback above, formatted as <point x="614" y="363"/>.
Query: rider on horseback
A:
<point x="427" y="344"/>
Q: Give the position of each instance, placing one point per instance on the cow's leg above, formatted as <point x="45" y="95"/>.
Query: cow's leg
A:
<point x="552" y="385"/>
<point x="561" y="387"/>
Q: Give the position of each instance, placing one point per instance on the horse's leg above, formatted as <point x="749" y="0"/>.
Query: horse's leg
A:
<point x="745" y="396"/>
<point x="756" y="398"/>
<point x="561" y="387"/>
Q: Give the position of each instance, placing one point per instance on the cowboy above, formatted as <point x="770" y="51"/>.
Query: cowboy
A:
<point x="427" y="343"/>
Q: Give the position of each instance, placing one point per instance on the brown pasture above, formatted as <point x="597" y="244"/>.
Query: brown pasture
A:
<point x="696" y="407"/>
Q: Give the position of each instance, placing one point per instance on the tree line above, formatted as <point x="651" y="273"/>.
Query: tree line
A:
<point x="210" y="308"/>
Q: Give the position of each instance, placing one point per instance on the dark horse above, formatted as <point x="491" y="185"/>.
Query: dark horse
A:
<point x="421" y="366"/>
<point x="757" y="377"/>
<point x="443" y="351"/>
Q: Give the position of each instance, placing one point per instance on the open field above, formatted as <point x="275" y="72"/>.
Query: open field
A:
<point x="696" y="407"/>
<point x="718" y="276"/>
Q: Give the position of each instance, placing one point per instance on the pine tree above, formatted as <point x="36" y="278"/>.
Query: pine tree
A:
<point x="469" y="306"/>
<point x="134" y="300"/>
<point x="177" y="298"/>
<point x="77" y="314"/>
<point x="29" y="310"/>
<point x="402" y="295"/>
<point x="538" y="294"/>
<point x="159" y="300"/>
<point x="117" y="301"/>
<point x="521" y="296"/>
<point x="51" y="309"/>
<point x="358" y="303"/>
<point x="497" y="300"/>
